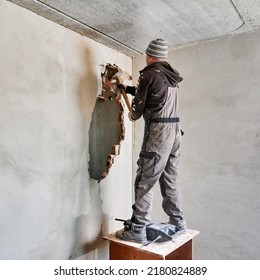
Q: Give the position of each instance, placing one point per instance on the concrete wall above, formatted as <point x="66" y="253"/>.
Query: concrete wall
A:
<point x="49" y="206"/>
<point x="220" y="162"/>
<point x="49" y="80"/>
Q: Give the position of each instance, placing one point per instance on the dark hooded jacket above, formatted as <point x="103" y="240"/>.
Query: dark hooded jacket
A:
<point x="151" y="91"/>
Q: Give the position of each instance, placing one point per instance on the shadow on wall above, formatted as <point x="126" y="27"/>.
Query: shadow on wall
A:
<point x="89" y="223"/>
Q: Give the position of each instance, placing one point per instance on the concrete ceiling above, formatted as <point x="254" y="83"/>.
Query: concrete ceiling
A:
<point x="128" y="26"/>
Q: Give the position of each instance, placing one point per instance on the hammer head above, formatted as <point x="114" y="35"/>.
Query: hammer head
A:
<point x="113" y="71"/>
<point x="113" y="74"/>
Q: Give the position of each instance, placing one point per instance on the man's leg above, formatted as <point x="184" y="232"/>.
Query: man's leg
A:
<point x="150" y="167"/>
<point x="142" y="206"/>
<point x="170" y="190"/>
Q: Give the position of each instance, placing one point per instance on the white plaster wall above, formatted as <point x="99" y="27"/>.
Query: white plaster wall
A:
<point x="49" y="80"/>
<point x="220" y="156"/>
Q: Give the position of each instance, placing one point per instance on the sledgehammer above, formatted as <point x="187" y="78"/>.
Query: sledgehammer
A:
<point x="122" y="90"/>
<point x="125" y="98"/>
<point x="113" y="72"/>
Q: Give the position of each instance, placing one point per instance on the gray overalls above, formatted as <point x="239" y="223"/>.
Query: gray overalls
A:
<point x="158" y="160"/>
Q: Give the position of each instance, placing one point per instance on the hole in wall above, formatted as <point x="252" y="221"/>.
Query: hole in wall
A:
<point x="107" y="129"/>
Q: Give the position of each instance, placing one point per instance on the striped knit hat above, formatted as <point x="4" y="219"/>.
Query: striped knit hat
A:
<point x="157" y="48"/>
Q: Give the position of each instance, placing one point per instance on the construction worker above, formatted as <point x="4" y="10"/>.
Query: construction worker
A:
<point x="156" y="99"/>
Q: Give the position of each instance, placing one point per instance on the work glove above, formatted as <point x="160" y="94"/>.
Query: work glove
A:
<point x="128" y="89"/>
<point x="120" y="87"/>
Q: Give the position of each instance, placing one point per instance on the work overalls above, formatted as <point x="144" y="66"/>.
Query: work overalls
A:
<point x="158" y="160"/>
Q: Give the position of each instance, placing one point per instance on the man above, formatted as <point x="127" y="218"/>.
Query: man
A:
<point x="157" y="100"/>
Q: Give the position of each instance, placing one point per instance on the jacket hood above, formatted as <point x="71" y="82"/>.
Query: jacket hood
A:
<point x="172" y="75"/>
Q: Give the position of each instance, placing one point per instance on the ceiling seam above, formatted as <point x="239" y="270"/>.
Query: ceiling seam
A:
<point x="239" y="14"/>
<point x="84" y="25"/>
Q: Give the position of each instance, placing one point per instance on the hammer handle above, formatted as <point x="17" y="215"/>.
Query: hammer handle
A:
<point x="126" y="100"/>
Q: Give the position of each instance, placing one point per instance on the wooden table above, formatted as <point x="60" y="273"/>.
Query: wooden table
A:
<point x="178" y="249"/>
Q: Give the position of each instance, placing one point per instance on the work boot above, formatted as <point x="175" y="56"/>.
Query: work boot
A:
<point x="131" y="235"/>
<point x="180" y="227"/>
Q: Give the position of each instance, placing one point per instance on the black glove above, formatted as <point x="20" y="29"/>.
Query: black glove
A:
<point x="130" y="90"/>
<point x="121" y="87"/>
<point x="127" y="89"/>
